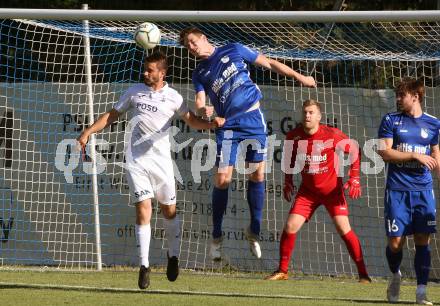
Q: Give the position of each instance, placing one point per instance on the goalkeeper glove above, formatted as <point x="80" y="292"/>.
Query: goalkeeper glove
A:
<point x="288" y="191"/>
<point x="354" y="187"/>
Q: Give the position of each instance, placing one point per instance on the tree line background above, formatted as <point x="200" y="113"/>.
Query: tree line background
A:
<point x="259" y="5"/>
<point x="368" y="74"/>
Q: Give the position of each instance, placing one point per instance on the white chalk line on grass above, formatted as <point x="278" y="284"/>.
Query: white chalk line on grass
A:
<point x="185" y="292"/>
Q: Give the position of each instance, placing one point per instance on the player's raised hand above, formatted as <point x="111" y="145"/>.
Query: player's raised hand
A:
<point x="206" y="111"/>
<point x="288" y="191"/>
<point x="426" y="160"/>
<point x="354" y="187"/>
<point x="308" y="81"/>
<point x="218" y="122"/>
<point x="83" y="139"/>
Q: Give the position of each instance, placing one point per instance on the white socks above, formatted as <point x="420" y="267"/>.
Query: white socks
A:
<point x="172" y="229"/>
<point x="143" y="237"/>
<point x="421" y="289"/>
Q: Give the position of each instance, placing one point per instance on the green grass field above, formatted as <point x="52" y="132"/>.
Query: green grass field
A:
<point x="111" y="287"/>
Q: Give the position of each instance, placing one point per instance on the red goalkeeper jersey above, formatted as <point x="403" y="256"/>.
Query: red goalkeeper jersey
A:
<point x="316" y="156"/>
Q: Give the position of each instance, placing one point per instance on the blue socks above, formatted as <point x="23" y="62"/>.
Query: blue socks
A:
<point x="394" y="260"/>
<point x="255" y="197"/>
<point x="219" y="203"/>
<point x="422" y="263"/>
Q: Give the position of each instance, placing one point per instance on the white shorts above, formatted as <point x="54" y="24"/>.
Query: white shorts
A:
<point x="151" y="178"/>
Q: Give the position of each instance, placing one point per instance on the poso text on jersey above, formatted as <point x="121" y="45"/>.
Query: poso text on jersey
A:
<point x="147" y="107"/>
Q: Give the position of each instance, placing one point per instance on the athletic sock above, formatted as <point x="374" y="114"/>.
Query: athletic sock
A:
<point x="143" y="237"/>
<point x="219" y="203"/>
<point x="172" y="229"/>
<point x="421" y="290"/>
<point x="394" y="260"/>
<point x="422" y="263"/>
<point x="255" y="197"/>
<point x="287" y="244"/>
<point x="355" y="250"/>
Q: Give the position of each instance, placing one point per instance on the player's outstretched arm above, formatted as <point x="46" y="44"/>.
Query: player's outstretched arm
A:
<point x="289" y="188"/>
<point x="103" y="121"/>
<point x="391" y="155"/>
<point x="202" y="124"/>
<point x="284" y="70"/>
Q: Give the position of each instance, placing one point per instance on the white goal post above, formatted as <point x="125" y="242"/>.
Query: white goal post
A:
<point x="48" y="94"/>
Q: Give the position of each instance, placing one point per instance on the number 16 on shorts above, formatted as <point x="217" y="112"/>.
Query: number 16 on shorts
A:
<point x="392" y="226"/>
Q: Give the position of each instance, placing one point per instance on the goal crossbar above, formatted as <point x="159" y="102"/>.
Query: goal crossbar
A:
<point x="223" y="16"/>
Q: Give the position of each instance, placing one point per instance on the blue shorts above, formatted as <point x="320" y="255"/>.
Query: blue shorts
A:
<point x="244" y="133"/>
<point x="409" y="212"/>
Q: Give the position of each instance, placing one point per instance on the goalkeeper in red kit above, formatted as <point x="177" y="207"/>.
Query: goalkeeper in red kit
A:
<point x="314" y="149"/>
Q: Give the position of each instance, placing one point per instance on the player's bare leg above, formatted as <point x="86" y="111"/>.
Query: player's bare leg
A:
<point x="172" y="229"/>
<point x="354" y="248"/>
<point x="143" y="237"/>
<point x="255" y="196"/>
<point x="394" y="258"/>
<point x="222" y="180"/>
<point x="287" y="244"/>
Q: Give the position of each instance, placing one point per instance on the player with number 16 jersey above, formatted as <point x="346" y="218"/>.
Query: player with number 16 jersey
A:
<point x="409" y="145"/>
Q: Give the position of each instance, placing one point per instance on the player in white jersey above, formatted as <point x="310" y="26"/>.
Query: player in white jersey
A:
<point x="149" y="167"/>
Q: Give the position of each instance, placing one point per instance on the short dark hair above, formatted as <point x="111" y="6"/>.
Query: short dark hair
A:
<point x="190" y="30"/>
<point x="157" y="57"/>
<point x="411" y="86"/>
<point x="310" y="102"/>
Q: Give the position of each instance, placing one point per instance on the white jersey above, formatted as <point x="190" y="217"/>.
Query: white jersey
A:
<point x="152" y="112"/>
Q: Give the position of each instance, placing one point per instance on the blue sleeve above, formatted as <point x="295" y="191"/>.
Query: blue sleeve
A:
<point x="198" y="86"/>
<point x="248" y="54"/>
<point x="386" y="127"/>
<point x="434" y="140"/>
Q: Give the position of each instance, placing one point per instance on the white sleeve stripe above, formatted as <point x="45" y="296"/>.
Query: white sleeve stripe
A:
<point x="430" y="115"/>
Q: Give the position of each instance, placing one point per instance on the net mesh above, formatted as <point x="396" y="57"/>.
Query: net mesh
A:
<point x="47" y="215"/>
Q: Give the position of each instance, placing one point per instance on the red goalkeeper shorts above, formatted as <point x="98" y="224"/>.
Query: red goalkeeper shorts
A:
<point x="307" y="202"/>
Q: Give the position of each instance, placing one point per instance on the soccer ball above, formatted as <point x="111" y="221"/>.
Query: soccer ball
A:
<point x="147" y="35"/>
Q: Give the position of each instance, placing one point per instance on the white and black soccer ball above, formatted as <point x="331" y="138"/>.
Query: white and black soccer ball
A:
<point x="147" y="35"/>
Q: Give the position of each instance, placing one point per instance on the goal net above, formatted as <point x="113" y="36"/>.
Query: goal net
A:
<point x="46" y="194"/>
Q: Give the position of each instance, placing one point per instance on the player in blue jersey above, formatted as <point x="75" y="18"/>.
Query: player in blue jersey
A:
<point x="410" y="148"/>
<point x="223" y="76"/>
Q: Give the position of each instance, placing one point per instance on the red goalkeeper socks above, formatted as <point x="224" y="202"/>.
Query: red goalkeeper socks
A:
<point x="287" y="245"/>
<point x="354" y="248"/>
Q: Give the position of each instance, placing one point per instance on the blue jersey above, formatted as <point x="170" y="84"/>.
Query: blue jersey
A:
<point x="410" y="134"/>
<point x="224" y="77"/>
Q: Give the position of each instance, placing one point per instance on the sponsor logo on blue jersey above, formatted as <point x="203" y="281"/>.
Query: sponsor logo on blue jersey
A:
<point x="224" y="76"/>
<point x="410" y="135"/>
